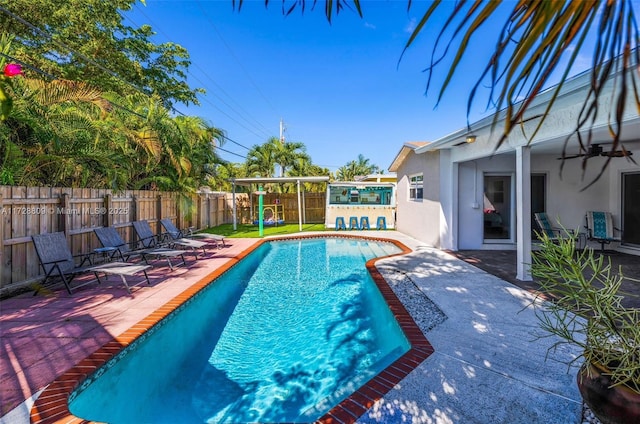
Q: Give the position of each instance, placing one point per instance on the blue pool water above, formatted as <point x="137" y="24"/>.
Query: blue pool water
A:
<point x="283" y="336"/>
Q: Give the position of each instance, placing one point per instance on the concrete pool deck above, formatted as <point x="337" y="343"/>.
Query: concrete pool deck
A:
<point x="487" y="365"/>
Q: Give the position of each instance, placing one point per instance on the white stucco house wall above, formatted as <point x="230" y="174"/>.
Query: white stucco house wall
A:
<point x="457" y="195"/>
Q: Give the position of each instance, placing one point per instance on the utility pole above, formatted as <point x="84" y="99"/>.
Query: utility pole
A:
<point x="281" y="131"/>
<point x="282" y="142"/>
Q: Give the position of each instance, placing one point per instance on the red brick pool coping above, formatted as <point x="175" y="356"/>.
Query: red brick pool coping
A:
<point x="52" y="405"/>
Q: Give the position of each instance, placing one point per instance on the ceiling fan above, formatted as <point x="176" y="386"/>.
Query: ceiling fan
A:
<point x="596" y="150"/>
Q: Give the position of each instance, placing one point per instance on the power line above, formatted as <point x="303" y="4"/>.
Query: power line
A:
<point x="236" y="58"/>
<point x="259" y="126"/>
<point x="80" y="55"/>
<point x="235" y="142"/>
<point x="230" y="152"/>
<point x="85" y="58"/>
<point x="54" y="78"/>
<point x="26" y="65"/>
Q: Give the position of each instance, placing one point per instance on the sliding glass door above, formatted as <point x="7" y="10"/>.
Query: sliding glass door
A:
<point x="497" y="208"/>
<point x="631" y="208"/>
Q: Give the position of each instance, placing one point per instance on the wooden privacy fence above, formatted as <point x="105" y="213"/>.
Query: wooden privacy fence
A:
<point x="313" y="207"/>
<point x="26" y="211"/>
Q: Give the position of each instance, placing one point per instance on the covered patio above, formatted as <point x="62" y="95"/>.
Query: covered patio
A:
<point x="479" y="195"/>
<point x="502" y="264"/>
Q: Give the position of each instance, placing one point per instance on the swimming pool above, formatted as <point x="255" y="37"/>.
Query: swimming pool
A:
<point x="245" y="349"/>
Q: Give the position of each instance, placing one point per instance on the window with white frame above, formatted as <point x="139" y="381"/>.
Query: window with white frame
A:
<point x="415" y="187"/>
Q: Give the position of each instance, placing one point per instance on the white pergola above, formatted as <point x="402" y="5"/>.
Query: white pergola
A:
<point x="277" y="180"/>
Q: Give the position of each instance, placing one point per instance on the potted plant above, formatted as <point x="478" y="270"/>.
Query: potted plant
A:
<point x="585" y="310"/>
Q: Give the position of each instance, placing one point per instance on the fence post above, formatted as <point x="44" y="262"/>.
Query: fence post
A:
<point x="197" y="221"/>
<point x="159" y="213"/>
<point x="107" y="219"/>
<point x="134" y="208"/>
<point x="208" y="211"/>
<point x="65" y="214"/>
<point x="176" y="199"/>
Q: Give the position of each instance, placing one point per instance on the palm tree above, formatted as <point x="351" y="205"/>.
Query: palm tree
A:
<point x="533" y="40"/>
<point x="287" y="153"/>
<point x="222" y="174"/>
<point x="353" y="169"/>
<point x="261" y="161"/>
<point x="531" y="45"/>
<point x="51" y="136"/>
<point x="66" y="133"/>
<point x="303" y="168"/>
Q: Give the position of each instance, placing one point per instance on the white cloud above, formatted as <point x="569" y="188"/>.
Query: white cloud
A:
<point x="411" y="26"/>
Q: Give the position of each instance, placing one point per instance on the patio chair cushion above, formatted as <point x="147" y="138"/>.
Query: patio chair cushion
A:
<point x="545" y="225"/>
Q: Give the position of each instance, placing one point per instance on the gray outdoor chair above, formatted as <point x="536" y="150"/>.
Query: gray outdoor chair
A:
<point x="110" y="238"/>
<point x="149" y="240"/>
<point x="176" y="233"/>
<point x="57" y="261"/>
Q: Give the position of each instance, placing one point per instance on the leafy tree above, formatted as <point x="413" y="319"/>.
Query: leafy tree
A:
<point x="51" y="136"/>
<point x="224" y="172"/>
<point x="353" y="169"/>
<point x="66" y="133"/>
<point x="87" y="40"/>
<point x="261" y="161"/>
<point x="304" y="168"/>
<point x="287" y="154"/>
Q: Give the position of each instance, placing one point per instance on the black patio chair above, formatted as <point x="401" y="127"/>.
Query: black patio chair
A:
<point x="149" y="240"/>
<point x="110" y="238"/>
<point x="176" y="233"/>
<point x="57" y="260"/>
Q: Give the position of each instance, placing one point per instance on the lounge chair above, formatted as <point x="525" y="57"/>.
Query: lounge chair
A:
<point x="177" y="234"/>
<point x="149" y="240"/>
<point x="119" y="249"/>
<point x="545" y="226"/>
<point x="600" y="228"/>
<point x="57" y="261"/>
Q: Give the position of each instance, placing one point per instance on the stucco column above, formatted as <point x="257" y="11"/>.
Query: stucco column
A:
<point x="448" y="201"/>
<point x="523" y="212"/>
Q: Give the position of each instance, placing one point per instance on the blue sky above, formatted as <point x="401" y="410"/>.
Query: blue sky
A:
<point x="338" y="87"/>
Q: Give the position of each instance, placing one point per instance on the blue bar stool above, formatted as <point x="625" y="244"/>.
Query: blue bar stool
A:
<point x="353" y="223"/>
<point x="381" y="223"/>
<point x="364" y="223"/>
<point x="340" y="223"/>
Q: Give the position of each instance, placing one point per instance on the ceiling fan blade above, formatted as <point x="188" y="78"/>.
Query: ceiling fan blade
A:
<point x="617" y="153"/>
<point x="571" y="156"/>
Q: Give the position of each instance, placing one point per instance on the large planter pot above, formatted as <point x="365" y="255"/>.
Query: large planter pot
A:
<point x="612" y="405"/>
